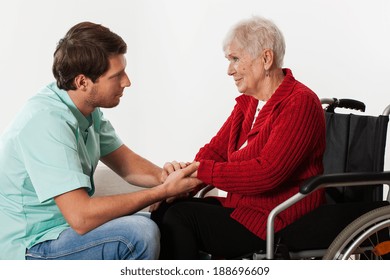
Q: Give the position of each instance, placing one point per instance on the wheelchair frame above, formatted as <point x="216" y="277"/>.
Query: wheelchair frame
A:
<point x="339" y="248"/>
<point x="353" y="179"/>
<point x="321" y="181"/>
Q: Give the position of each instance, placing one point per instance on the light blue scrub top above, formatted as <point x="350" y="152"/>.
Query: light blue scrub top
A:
<point x="49" y="149"/>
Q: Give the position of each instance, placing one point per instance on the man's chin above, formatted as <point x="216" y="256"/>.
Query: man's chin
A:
<point x="112" y="105"/>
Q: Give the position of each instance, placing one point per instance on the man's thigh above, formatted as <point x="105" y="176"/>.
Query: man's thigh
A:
<point x="129" y="237"/>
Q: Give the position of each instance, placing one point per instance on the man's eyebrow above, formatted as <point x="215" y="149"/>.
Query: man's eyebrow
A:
<point x="116" y="74"/>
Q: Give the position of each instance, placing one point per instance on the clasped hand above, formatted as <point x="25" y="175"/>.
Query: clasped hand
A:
<point x="184" y="181"/>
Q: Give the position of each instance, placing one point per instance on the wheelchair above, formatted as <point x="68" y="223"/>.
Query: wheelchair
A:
<point x="354" y="223"/>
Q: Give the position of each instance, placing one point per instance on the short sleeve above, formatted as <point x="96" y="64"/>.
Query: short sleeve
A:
<point x="48" y="145"/>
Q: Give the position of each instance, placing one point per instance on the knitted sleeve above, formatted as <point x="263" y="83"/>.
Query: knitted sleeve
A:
<point x="296" y="132"/>
<point x="216" y="149"/>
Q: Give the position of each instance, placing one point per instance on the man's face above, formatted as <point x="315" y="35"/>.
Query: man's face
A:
<point x="108" y="88"/>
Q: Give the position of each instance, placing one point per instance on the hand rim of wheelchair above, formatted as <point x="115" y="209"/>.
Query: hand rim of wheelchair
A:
<point x="356" y="233"/>
<point x="322" y="181"/>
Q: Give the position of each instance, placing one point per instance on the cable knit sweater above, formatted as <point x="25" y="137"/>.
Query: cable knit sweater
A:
<point x="285" y="147"/>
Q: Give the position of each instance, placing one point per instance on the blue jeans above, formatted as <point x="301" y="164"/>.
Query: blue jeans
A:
<point x="126" y="238"/>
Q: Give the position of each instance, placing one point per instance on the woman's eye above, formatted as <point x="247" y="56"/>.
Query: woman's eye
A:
<point x="233" y="59"/>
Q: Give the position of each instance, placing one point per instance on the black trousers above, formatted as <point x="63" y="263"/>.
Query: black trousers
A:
<point x="195" y="225"/>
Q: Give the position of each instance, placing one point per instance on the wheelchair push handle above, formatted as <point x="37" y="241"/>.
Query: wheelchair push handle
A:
<point x="343" y="103"/>
<point x="352" y="104"/>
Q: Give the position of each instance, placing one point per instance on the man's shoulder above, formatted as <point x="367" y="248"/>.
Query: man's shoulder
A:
<point x="44" y="109"/>
<point x="47" y="101"/>
<point x="47" y="95"/>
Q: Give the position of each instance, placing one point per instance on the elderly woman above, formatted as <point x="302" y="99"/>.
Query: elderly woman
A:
<point x="273" y="140"/>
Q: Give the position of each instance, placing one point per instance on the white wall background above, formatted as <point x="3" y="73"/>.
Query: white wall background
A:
<point x="180" y="93"/>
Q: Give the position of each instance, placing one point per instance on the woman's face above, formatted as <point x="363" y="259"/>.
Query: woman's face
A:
<point x="248" y="72"/>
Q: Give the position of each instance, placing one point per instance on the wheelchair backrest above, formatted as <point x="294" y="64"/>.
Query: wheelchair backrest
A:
<point x="354" y="143"/>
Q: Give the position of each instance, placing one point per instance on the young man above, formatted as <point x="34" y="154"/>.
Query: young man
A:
<point x="49" y="153"/>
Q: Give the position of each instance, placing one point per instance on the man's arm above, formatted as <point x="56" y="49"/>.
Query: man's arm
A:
<point x="135" y="169"/>
<point x="84" y="213"/>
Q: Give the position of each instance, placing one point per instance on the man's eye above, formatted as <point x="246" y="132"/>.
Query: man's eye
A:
<point x="235" y="59"/>
<point x="118" y="76"/>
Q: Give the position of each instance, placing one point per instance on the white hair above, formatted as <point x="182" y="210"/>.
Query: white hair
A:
<point x="256" y="34"/>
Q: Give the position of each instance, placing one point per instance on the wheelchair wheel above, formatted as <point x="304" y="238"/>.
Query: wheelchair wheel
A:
<point x="368" y="237"/>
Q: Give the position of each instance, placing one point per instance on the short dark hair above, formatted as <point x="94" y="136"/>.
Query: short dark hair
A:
<point x="85" y="49"/>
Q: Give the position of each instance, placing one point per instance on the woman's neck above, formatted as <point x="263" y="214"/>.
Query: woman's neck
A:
<point x="271" y="83"/>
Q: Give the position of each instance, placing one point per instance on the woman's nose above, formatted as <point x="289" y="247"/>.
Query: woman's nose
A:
<point x="230" y="70"/>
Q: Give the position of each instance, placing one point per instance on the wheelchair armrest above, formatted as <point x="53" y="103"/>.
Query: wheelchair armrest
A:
<point x="202" y="193"/>
<point x="318" y="182"/>
<point x="344" y="180"/>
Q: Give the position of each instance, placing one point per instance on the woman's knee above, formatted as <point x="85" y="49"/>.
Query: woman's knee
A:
<point x="179" y="214"/>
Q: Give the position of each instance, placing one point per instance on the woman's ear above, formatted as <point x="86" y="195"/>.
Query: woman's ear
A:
<point x="268" y="59"/>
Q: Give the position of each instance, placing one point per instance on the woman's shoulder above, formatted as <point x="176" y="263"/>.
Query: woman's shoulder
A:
<point x="302" y="95"/>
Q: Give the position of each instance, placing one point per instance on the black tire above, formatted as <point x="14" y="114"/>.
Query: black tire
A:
<point x="359" y="238"/>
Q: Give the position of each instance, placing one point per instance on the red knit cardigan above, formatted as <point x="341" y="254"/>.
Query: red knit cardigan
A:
<point x="285" y="147"/>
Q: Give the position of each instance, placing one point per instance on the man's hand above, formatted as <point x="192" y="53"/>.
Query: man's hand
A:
<point x="170" y="167"/>
<point x="181" y="181"/>
<point x="173" y="171"/>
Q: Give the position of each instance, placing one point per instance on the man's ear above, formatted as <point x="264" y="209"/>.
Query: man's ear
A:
<point x="81" y="82"/>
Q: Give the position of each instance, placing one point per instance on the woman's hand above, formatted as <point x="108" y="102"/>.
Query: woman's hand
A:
<point x="170" y="167"/>
<point x="179" y="180"/>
